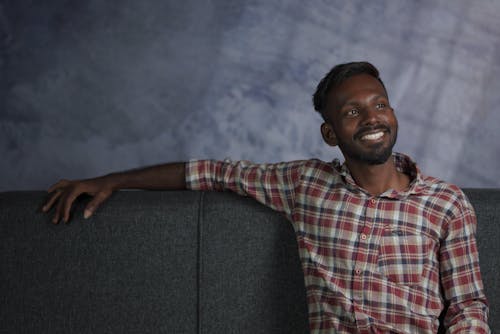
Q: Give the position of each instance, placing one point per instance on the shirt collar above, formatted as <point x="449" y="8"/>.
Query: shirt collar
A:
<point x="403" y="164"/>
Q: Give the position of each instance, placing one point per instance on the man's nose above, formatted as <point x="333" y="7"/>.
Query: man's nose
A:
<point x="370" y="115"/>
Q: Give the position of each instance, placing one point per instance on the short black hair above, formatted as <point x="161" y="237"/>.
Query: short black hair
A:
<point x="336" y="77"/>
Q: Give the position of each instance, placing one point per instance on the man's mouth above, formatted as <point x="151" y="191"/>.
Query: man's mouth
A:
<point x="372" y="133"/>
<point x="372" y="136"/>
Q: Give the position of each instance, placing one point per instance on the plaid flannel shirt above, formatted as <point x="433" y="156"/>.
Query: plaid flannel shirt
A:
<point x="372" y="264"/>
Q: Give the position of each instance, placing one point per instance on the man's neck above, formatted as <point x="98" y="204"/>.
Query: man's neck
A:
<point x="377" y="179"/>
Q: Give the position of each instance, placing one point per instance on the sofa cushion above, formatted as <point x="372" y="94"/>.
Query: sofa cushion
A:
<point x="132" y="268"/>
<point x="250" y="269"/>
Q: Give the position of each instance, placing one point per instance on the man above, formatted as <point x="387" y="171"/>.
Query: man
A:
<point x="384" y="249"/>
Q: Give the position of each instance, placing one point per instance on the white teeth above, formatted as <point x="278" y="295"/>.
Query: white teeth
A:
<point x="373" y="136"/>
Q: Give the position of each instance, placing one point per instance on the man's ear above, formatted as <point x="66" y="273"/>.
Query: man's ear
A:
<point x="328" y="134"/>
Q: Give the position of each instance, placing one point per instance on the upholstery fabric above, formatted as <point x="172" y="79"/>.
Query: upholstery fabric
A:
<point x="131" y="269"/>
<point x="171" y="262"/>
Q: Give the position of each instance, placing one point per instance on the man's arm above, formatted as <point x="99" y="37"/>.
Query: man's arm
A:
<point x="461" y="277"/>
<point x="272" y="184"/>
<point x="166" y="176"/>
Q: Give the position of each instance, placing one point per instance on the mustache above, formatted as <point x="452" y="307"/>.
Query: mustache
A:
<point x="363" y="130"/>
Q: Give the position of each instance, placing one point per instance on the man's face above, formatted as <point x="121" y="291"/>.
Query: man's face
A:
<point x="360" y="120"/>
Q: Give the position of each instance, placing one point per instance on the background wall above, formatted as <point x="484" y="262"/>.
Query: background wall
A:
<point x="89" y="87"/>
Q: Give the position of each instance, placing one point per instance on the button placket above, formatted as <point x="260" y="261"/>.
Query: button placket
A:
<point x="361" y="259"/>
<point x="357" y="285"/>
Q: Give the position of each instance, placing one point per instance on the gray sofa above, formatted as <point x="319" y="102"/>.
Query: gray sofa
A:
<point x="170" y="262"/>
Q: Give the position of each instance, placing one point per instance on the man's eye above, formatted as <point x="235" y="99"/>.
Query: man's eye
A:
<point x="380" y="105"/>
<point x="352" y="112"/>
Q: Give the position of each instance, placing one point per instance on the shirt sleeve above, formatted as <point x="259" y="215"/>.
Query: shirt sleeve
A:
<point x="273" y="185"/>
<point x="460" y="274"/>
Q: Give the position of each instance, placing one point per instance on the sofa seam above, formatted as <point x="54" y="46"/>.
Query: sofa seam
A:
<point x="199" y="262"/>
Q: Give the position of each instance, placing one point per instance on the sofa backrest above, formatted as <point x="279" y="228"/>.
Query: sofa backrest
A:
<point x="176" y="262"/>
<point x="486" y="203"/>
<point x="149" y="262"/>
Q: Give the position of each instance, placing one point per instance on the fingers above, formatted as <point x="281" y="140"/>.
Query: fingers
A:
<point x="51" y="201"/>
<point x="95" y="203"/>
<point x="67" y="204"/>
<point x="57" y="215"/>
<point x="58" y="190"/>
<point x="64" y="194"/>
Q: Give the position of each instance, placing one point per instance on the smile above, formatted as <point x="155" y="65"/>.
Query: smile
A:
<point x="373" y="136"/>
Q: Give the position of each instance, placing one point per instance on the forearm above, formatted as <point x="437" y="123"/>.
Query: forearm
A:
<point x="461" y="275"/>
<point x="170" y="176"/>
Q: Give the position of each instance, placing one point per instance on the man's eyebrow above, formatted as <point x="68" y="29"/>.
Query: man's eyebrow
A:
<point x="350" y="103"/>
<point x="355" y="102"/>
<point x="378" y="96"/>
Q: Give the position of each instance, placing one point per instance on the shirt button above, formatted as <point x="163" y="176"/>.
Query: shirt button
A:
<point x="372" y="201"/>
<point x="363" y="236"/>
<point x="357" y="271"/>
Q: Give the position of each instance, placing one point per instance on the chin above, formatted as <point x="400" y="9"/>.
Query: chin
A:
<point x="378" y="160"/>
<point x="379" y="157"/>
<point x="377" y="154"/>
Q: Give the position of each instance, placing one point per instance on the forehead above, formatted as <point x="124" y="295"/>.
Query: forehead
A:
<point x="354" y="90"/>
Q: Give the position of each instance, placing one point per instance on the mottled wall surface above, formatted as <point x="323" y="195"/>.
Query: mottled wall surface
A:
<point x="88" y="87"/>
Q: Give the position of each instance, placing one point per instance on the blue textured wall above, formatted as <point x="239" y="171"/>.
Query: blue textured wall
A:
<point x="89" y="87"/>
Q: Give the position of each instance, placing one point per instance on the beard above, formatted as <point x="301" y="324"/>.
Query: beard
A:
<point x="377" y="154"/>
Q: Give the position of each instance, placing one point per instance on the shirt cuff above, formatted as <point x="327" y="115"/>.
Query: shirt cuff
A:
<point x="201" y="174"/>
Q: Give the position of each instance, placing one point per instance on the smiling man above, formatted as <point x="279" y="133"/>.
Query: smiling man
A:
<point x="359" y="119"/>
<point x="384" y="248"/>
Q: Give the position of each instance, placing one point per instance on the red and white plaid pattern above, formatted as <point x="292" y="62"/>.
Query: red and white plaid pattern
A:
<point x="384" y="264"/>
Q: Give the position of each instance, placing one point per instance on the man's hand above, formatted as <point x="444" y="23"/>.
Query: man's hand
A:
<point x="65" y="192"/>
<point x="170" y="176"/>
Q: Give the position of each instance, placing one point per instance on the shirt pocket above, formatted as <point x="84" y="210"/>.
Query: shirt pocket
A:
<point x="402" y="256"/>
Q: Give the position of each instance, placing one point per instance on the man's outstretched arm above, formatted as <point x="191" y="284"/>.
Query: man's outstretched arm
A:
<point x="169" y="176"/>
